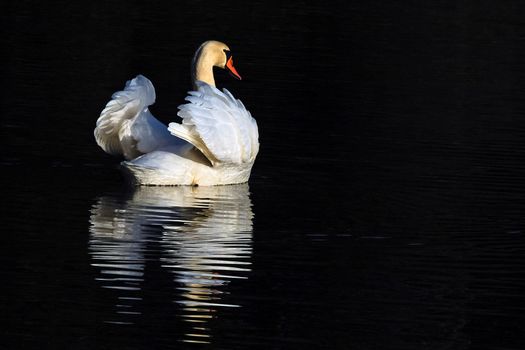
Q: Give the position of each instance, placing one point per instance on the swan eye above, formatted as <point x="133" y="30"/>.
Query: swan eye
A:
<point x="228" y="54"/>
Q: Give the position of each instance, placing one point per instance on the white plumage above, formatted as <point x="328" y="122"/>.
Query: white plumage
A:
<point x="126" y="126"/>
<point x="218" y="125"/>
<point x="216" y="143"/>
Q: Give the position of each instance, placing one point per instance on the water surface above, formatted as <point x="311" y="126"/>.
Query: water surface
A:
<point x="385" y="209"/>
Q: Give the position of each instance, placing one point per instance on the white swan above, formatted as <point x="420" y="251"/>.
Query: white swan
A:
<point x="216" y="143"/>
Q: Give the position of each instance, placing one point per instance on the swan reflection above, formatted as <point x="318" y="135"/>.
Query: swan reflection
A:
<point x="202" y="235"/>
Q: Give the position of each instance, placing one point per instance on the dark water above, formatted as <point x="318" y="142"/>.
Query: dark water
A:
<point x="385" y="209"/>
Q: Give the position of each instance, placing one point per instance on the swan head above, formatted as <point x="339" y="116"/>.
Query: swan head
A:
<point x="211" y="54"/>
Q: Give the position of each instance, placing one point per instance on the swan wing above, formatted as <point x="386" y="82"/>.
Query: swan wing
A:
<point x="126" y="126"/>
<point x="218" y="125"/>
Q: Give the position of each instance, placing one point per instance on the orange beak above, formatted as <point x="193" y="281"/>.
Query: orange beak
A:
<point x="231" y="68"/>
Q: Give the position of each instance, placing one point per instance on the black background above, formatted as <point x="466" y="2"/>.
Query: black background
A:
<point x="398" y="119"/>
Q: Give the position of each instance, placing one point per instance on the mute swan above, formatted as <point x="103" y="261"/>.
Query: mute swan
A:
<point x="216" y="143"/>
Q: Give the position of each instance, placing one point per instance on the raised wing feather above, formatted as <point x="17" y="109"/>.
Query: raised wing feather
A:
<point x="218" y="125"/>
<point x="126" y="126"/>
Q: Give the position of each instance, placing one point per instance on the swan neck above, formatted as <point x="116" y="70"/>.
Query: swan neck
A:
<point x="202" y="69"/>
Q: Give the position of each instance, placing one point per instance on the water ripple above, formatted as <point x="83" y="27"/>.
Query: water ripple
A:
<point x="202" y="236"/>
